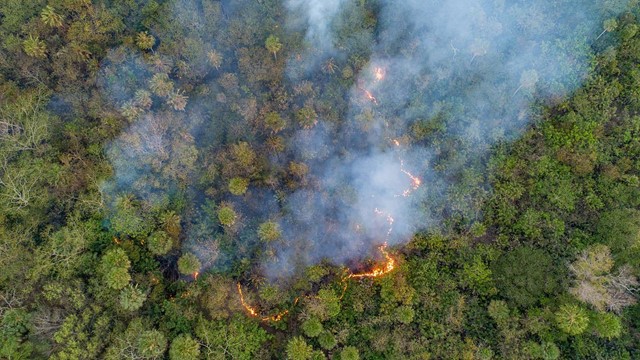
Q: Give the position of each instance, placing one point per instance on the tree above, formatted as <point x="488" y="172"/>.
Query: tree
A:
<point x="326" y="340"/>
<point x="132" y="298"/>
<point x="152" y="344"/>
<point x="324" y="306"/>
<point x="171" y="223"/>
<point x="226" y="215"/>
<point x="145" y="41"/>
<point x="298" y="349"/>
<point x="274" y="122"/>
<point x="312" y="327"/>
<point x="609" y="26"/>
<point x="243" y="154"/>
<point x="405" y="314"/>
<point x="595" y="284"/>
<point x="161" y="85"/>
<point x="114" y="267"/>
<point x="572" y="319"/>
<point x="499" y="311"/>
<point x="184" y="347"/>
<point x="238" y="185"/>
<point x="273" y="45"/>
<point x="50" y="17"/>
<point x="25" y="123"/>
<point x="159" y="243"/>
<point x="307" y="117"/>
<point x="35" y="47"/>
<point x="240" y="338"/>
<point x="606" y="325"/>
<point x="269" y="231"/>
<point x="177" y="100"/>
<point x="215" y="59"/>
<point x="349" y="353"/>
<point x="525" y="275"/>
<point x="189" y="264"/>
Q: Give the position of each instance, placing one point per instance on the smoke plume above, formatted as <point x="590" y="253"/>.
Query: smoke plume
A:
<point x="431" y="86"/>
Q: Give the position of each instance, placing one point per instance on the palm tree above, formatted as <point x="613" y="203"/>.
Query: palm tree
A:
<point x="609" y="26"/>
<point x="35" y="47"/>
<point x="50" y="17"/>
<point x="273" y="45"/>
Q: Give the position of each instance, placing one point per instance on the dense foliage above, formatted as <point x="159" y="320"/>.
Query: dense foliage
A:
<point x="533" y="251"/>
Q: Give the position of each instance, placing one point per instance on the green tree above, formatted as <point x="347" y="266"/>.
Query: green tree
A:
<point x="132" y="298"/>
<point x="606" y="325"/>
<point x="152" y="344"/>
<point x="240" y="338"/>
<point x="114" y="268"/>
<point x="184" y="347"/>
<point x="269" y="231"/>
<point x="350" y="353"/>
<point x="35" y="47"/>
<point x="312" y="327"/>
<point x="525" y="275"/>
<point x="226" y="215"/>
<point x="307" y="117"/>
<point x="274" y="122"/>
<point x="405" y="314"/>
<point x="145" y="41"/>
<point x="238" y="186"/>
<point x="171" y="224"/>
<point x="161" y="85"/>
<point x="326" y="340"/>
<point x="50" y="17"/>
<point x="189" y="264"/>
<point x="159" y="243"/>
<point x="273" y="45"/>
<point x="609" y="26"/>
<point x="572" y="319"/>
<point x="298" y="349"/>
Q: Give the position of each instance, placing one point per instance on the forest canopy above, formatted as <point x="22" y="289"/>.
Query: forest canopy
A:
<point x="309" y="179"/>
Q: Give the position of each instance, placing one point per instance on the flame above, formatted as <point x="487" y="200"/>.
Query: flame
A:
<point x="253" y="312"/>
<point x="195" y="275"/>
<point x="381" y="270"/>
<point x="379" y="73"/>
<point x="369" y="96"/>
<point x="415" y="181"/>
<point x="115" y="240"/>
<point x="389" y="265"/>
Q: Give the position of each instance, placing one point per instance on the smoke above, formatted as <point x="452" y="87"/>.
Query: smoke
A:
<point x="404" y="90"/>
<point x="316" y="16"/>
<point x="473" y="65"/>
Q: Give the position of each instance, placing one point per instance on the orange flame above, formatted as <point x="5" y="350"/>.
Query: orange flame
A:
<point x="195" y="275"/>
<point x="415" y="181"/>
<point x="379" y="73"/>
<point x="385" y="269"/>
<point x="253" y="312"/>
<point x="369" y="96"/>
